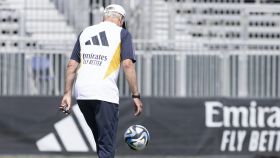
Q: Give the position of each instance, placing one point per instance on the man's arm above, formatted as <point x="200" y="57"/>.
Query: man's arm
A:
<point x="69" y="79"/>
<point x="70" y="76"/>
<point x="130" y="74"/>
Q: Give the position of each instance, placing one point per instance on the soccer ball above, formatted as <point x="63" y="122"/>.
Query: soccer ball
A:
<point x="137" y="137"/>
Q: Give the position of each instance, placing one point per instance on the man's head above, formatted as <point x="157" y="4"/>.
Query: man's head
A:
<point x="116" y="14"/>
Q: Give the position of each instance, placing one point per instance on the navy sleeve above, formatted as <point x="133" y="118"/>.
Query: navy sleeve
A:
<point x="76" y="51"/>
<point x="127" y="50"/>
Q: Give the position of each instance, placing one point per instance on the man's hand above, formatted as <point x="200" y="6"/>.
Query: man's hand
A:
<point x="65" y="105"/>
<point x="138" y="106"/>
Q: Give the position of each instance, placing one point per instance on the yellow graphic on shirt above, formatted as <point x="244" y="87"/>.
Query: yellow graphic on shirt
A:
<point x="115" y="62"/>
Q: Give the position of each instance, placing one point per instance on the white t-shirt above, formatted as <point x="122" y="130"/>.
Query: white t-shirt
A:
<point x="99" y="50"/>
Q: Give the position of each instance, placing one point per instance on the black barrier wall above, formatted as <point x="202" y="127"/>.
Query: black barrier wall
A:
<point x="178" y="126"/>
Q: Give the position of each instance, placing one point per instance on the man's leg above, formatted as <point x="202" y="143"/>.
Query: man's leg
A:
<point x="102" y="117"/>
<point x="87" y="107"/>
<point x="107" y="122"/>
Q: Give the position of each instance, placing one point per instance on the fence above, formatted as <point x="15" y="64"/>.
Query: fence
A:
<point x="32" y="73"/>
<point x="193" y="72"/>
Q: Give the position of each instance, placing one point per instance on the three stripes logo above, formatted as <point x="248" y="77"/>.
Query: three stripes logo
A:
<point x="69" y="135"/>
<point x="95" y="41"/>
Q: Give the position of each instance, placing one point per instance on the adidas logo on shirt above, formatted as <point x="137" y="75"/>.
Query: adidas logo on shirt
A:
<point x="95" y="41"/>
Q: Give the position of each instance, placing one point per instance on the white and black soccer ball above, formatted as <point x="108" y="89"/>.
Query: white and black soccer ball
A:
<point x="137" y="137"/>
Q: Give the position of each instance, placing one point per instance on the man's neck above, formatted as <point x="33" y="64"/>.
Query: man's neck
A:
<point x="112" y="20"/>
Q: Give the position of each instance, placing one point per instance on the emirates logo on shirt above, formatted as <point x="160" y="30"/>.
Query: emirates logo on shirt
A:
<point x="94" y="59"/>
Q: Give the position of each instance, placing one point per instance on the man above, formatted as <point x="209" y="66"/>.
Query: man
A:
<point x="97" y="55"/>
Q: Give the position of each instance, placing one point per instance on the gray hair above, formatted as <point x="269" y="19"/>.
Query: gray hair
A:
<point x="113" y="15"/>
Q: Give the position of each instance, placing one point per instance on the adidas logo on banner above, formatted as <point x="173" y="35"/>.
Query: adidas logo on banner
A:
<point x="68" y="136"/>
<point x="95" y="41"/>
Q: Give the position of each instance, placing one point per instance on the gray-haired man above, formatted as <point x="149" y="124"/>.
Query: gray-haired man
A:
<point x="96" y="57"/>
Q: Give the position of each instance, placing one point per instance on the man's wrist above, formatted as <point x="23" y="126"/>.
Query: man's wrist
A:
<point x="68" y="93"/>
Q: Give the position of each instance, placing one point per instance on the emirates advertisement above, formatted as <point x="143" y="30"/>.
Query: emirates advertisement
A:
<point x="176" y="126"/>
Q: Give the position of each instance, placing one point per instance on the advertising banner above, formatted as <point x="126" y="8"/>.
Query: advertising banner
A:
<point x="177" y="126"/>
